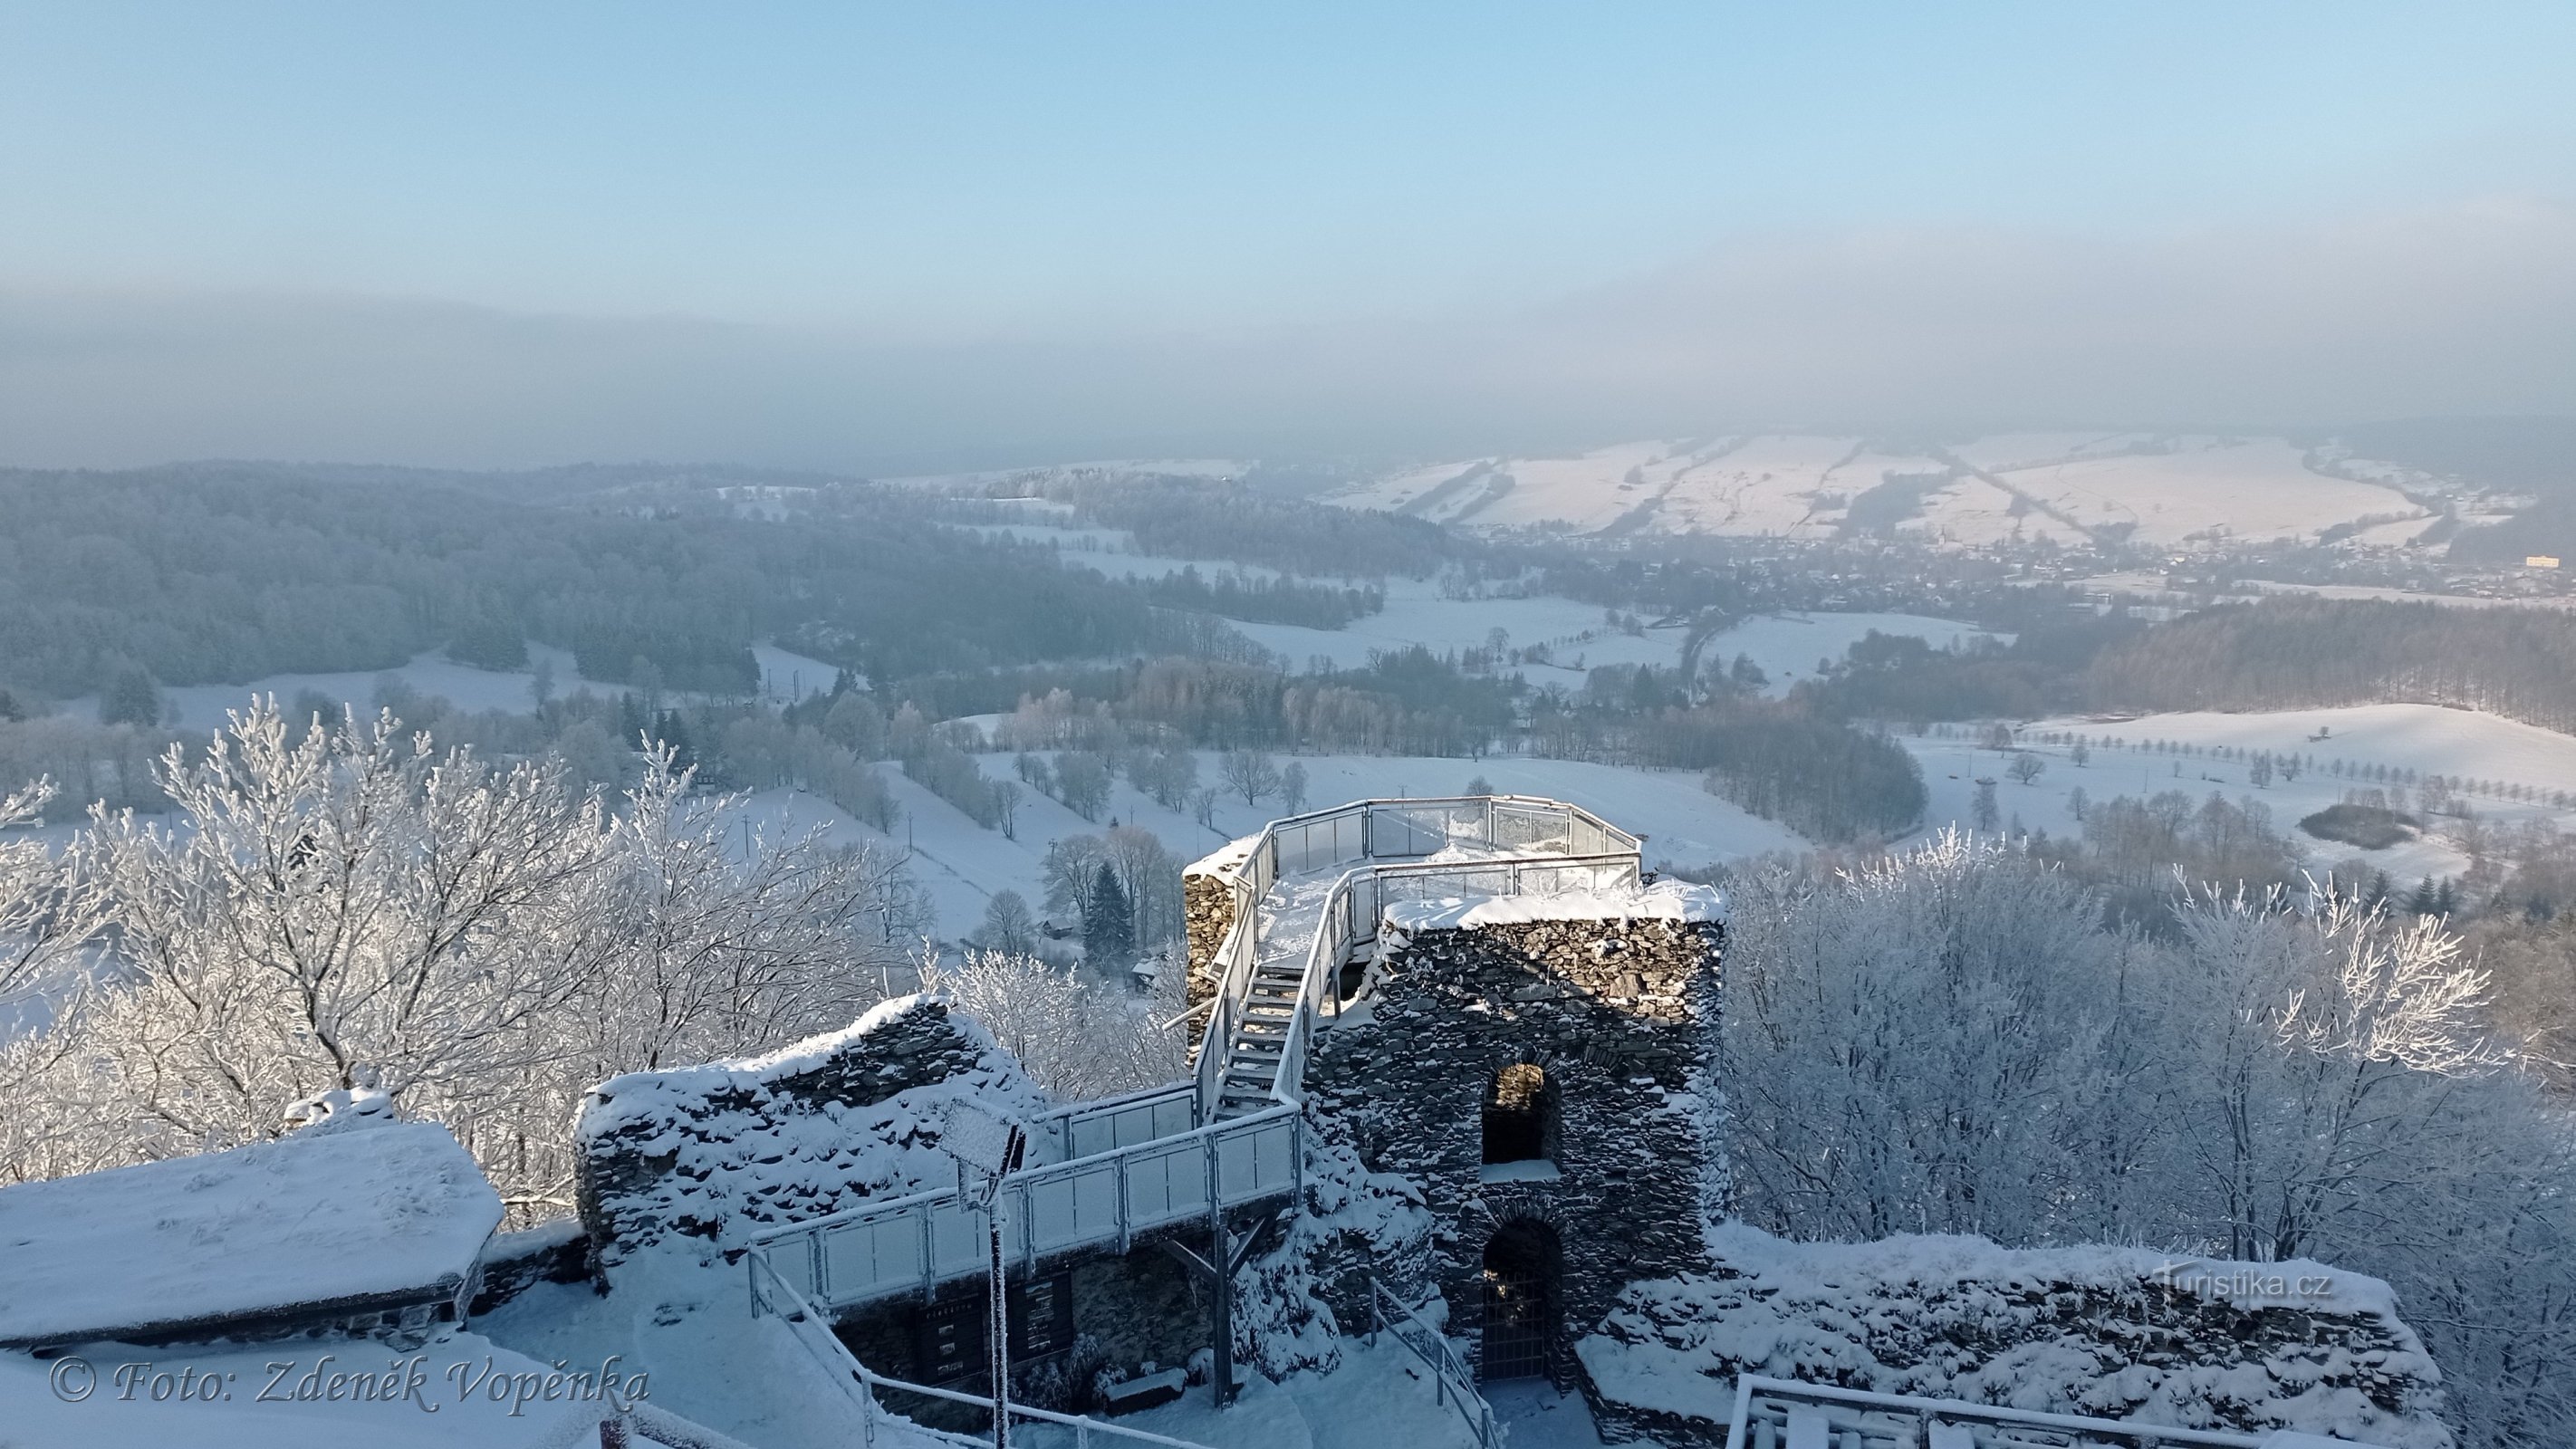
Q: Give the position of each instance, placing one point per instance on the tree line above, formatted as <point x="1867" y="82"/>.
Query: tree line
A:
<point x="226" y="573"/>
<point x="1956" y="1040"/>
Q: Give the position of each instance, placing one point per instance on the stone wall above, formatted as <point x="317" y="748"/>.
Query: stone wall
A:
<point x="1207" y="904"/>
<point x="2116" y="1333"/>
<point x="1133" y="1313"/>
<point x="555" y="1252"/>
<point x="713" y="1154"/>
<point x="1616" y="1012"/>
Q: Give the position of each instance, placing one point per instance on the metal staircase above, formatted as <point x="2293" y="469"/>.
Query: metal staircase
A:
<point x="1256" y="1049"/>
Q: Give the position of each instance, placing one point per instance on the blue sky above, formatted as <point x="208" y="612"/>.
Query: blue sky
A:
<point x="1083" y="176"/>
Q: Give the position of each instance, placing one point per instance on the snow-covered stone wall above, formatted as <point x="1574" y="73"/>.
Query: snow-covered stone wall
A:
<point x="2118" y="1333"/>
<point x="716" y="1153"/>
<point x="1207" y="911"/>
<point x="1614" y="1009"/>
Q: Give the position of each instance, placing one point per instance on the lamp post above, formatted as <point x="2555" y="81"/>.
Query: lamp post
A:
<point x="990" y="1146"/>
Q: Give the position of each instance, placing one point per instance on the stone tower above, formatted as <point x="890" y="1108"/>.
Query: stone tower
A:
<point x="1537" y="1066"/>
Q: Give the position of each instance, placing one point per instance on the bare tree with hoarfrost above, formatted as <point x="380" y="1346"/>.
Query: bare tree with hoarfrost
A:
<point x="352" y="909"/>
<point x="1951" y="1040"/>
<point x="49" y="907"/>
<point x="1078" y="1038"/>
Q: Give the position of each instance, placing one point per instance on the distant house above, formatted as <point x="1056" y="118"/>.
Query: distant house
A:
<point x="2540" y="561"/>
<point x="366" y="1226"/>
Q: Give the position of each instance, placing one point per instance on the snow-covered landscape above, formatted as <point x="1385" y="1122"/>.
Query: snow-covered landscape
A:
<point x="2067" y="488"/>
<point x="1287" y="727"/>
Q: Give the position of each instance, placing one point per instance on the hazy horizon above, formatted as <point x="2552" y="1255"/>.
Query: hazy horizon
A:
<point x="883" y="242"/>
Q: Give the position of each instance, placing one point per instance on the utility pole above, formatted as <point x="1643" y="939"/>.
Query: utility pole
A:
<point x="992" y="1146"/>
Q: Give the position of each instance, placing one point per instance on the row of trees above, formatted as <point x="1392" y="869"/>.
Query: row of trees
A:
<point x="1952" y="1041"/>
<point x="1265" y="600"/>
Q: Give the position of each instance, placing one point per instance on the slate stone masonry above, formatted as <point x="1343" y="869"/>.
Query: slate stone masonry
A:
<point x="1615" y="1012"/>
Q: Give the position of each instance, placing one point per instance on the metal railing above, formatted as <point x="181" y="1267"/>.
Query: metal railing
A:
<point x="1451" y="1383"/>
<point x="773" y="1295"/>
<point x="1551" y="846"/>
<point x="1105" y="1171"/>
<point x="916" y="1243"/>
<point x="1783" y="1414"/>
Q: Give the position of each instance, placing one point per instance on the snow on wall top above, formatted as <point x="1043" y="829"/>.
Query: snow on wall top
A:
<point x="721" y="1151"/>
<point x="1667" y="900"/>
<point x="308" y="1219"/>
<point x="1226" y="859"/>
<point x="2112" y="1332"/>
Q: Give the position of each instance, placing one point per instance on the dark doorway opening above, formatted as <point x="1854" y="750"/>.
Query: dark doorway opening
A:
<point x="1520" y="1115"/>
<point x="1521" y="1270"/>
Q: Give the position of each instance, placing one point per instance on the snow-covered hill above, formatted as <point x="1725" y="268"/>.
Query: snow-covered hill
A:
<point x="2171" y="492"/>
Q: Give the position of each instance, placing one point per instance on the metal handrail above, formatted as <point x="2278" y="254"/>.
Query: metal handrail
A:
<point x="1451" y="1383"/>
<point x="1908" y="1420"/>
<point x="1249" y="879"/>
<point x="1207" y="1141"/>
<point x="773" y="1294"/>
<point x="1019" y="1181"/>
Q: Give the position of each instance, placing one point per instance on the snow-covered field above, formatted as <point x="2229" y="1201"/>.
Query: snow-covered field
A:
<point x="1789" y="647"/>
<point x="2425" y="738"/>
<point x="960" y="865"/>
<point x="1787" y="486"/>
<point x="1416" y="613"/>
<point x="2164" y="491"/>
<point x="2187" y="491"/>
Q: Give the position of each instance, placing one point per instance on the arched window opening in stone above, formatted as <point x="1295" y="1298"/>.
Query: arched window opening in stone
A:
<point x="1523" y="1262"/>
<point x="1520" y="1116"/>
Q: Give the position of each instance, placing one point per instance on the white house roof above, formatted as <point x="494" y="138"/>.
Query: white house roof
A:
<point x="311" y="1219"/>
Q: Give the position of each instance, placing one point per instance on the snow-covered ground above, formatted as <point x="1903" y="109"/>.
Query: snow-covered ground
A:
<point x="2164" y="491"/>
<point x="960" y="865"/>
<point x="2425" y="738"/>
<point x="1578" y="634"/>
<point x="1787" y="486"/>
<point x="2193" y="490"/>
<point x="1789" y="647"/>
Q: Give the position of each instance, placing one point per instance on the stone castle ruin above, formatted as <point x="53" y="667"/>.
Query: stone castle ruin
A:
<point x="1453" y="1083"/>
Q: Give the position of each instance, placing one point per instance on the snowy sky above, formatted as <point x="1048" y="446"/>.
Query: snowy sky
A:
<point x="872" y="235"/>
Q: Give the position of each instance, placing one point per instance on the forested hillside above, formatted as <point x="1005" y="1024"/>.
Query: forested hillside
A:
<point x="2293" y="653"/>
<point x="224" y="573"/>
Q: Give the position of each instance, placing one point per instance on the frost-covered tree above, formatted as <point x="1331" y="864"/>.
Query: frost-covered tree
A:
<point x="354" y="909"/>
<point x="1079" y="1038"/>
<point x="1292" y="787"/>
<point x="49" y="907"/>
<point x="1904" y="1040"/>
<point x="347" y="909"/>
<point x="1082" y="782"/>
<point x="1950" y="1040"/>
